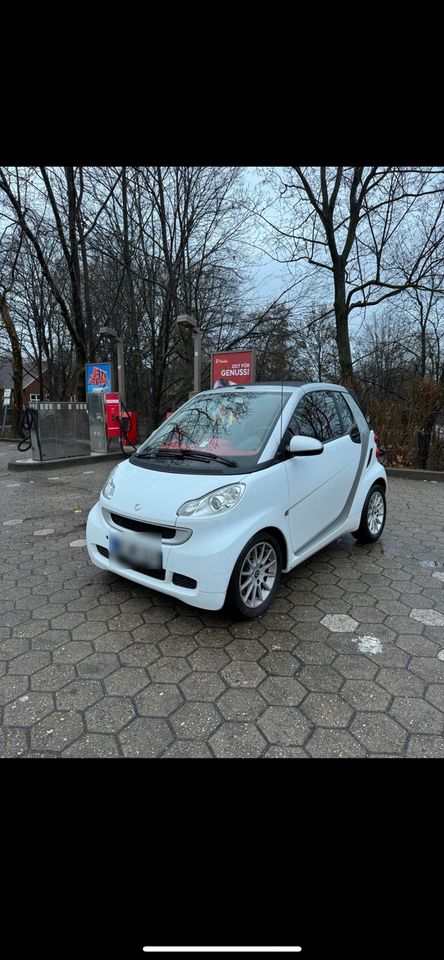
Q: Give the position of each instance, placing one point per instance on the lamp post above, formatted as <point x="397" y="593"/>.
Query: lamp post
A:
<point x="110" y="332"/>
<point x="185" y="320"/>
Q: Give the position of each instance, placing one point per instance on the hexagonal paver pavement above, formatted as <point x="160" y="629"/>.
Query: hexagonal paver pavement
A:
<point x="348" y="662"/>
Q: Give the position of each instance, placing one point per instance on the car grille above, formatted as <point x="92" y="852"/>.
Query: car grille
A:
<point x="167" y="533"/>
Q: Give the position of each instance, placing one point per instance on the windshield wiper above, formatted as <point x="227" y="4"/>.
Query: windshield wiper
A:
<point x="186" y="455"/>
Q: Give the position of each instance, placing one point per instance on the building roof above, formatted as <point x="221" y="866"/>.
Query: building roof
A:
<point x="30" y="373"/>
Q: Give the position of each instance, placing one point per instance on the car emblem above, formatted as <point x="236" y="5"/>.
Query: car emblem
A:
<point x="137" y="506"/>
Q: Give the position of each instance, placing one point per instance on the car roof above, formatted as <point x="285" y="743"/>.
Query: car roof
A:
<point x="285" y="384"/>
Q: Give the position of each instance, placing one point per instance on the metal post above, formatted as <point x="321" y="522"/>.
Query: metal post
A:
<point x="197" y="345"/>
<point x="120" y="370"/>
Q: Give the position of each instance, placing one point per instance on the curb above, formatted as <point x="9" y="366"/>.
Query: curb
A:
<point x="18" y="465"/>
<point x="405" y="473"/>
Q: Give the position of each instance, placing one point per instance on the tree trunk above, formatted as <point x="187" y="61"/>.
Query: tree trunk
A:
<point x="17" y="369"/>
<point x="342" y="335"/>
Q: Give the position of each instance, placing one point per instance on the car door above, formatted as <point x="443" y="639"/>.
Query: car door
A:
<point x="320" y="485"/>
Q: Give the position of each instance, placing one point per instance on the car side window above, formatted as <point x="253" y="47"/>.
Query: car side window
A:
<point x="316" y="415"/>
<point x="346" y="414"/>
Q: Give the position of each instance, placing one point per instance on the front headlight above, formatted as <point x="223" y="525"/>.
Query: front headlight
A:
<point x="218" y="501"/>
<point x="109" y="488"/>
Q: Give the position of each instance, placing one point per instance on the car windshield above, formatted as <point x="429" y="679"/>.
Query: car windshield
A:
<point x="229" y="428"/>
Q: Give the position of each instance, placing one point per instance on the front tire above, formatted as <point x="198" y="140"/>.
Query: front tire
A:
<point x="372" y="516"/>
<point x="256" y="576"/>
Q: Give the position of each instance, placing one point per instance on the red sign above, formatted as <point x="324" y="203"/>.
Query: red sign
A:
<point x="232" y="368"/>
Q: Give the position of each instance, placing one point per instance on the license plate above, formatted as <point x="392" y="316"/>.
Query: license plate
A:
<point x="141" y="551"/>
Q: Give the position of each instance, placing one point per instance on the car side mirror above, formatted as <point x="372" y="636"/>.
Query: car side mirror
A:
<point x="305" y="446"/>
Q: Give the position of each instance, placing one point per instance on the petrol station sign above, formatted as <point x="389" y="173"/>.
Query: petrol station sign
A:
<point x="98" y="377"/>
<point x="232" y="367"/>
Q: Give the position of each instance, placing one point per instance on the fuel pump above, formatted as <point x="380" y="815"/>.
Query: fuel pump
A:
<point x="121" y="424"/>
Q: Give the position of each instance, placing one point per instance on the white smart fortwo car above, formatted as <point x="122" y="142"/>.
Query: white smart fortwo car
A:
<point x="240" y="484"/>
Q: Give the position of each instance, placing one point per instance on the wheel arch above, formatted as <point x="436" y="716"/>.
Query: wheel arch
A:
<point x="279" y="536"/>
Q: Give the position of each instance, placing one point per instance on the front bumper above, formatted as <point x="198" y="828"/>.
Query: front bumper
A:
<point x="192" y="559"/>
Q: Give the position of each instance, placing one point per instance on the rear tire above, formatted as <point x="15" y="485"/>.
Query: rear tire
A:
<point x="256" y="576"/>
<point x="372" y="516"/>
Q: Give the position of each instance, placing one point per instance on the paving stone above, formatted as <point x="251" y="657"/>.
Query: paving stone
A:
<point x="327" y="710"/>
<point x="333" y="743"/>
<point x="285" y="725"/>
<point x="275" y="621"/>
<point x="93" y="745"/>
<point x="424" y="746"/>
<point x="435" y="694"/>
<point x="237" y="740"/>
<point x="139" y="655"/>
<point x="339" y="623"/>
<point x="162" y="614"/>
<point x="112" y="642"/>
<point x="150" y="633"/>
<point x="322" y="678"/>
<point x="68" y="621"/>
<point x="202" y="686"/>
<point x="400" y="682"/>
<point x="247" y="630"/>
<point x="430" y="669"/>
<point x="213" y="637"/>
<point x="184" y="626"/>
<point x="241" y="673"/>
<point x="177" y="646"/>
<point x="365" y="695"/>
<point x="432" y="617"/>
<point x="56" y="731"/>
<point x="208" y="659"/>
<point x="53" y="677"/>
<point x="416" y="715"/>
<point x="145" y="738"/>
<point x="316" y="652"/>
<point x="29" y="663"/>
<point x="13" y="742"/>
<point x="98" y="665"/>
<point x="158" y="700"/>
<point x="72" y="652"/>
<point x="102" y="612"/>
<point x="125" y="622"/>
<point x="195" y="721"/>
<point x="272" y="640"/>
<point x="89" y="631"/>
<point x="182" y="749"/>
<point x="285" y="753"/>
<point x="169" y="669"/>
<point x="355" y="667"/>
<point x="245" y="649"/>
<point x="403" y="625"/>
<point x="50" y="640"/>
<point x="241" y="705"/>
<point x="79" y="694"/>
<point x="109" y="715"/>
<point x="12" y="687"/>
<point x="280" y="663"/>
<point x="282" y="691"/>
<point x="29" y="630"/>
<point x="12" y="648"/>
<point x="417" y="646"/>
<point x="126" y="682"/>
<point x="378" y="733"/>
<point x="27" y="709"/>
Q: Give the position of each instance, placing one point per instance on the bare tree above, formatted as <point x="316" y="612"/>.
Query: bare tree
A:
<point x="359" y="226"/>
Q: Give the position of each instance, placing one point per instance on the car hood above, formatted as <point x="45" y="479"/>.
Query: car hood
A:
<point x="160" y="493"/>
